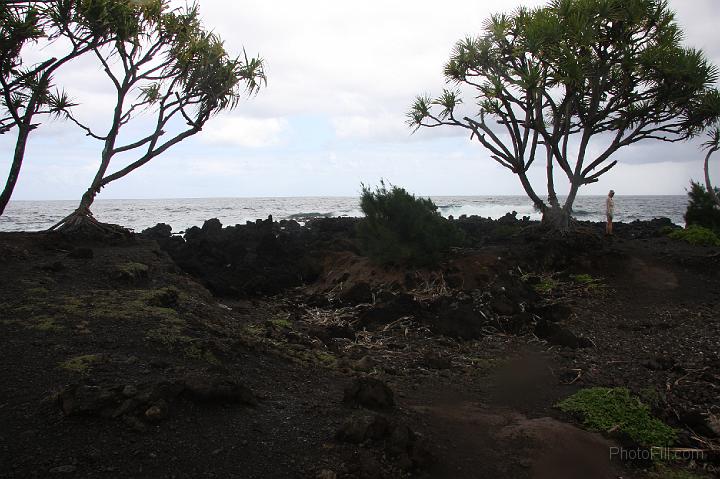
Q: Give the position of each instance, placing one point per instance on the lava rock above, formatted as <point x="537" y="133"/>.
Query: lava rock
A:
<point x="457" y="319"/>
<point x="560" y="336"/>
<point x="157" y="412"/>
<point x="160" y="231"/>
<point x="369" y="392"/>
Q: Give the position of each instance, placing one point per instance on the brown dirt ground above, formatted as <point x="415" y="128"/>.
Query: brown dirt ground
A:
<point x="484" y="406"/>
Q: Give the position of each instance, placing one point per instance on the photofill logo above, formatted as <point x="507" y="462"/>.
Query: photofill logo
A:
<point x="657" y="453"/>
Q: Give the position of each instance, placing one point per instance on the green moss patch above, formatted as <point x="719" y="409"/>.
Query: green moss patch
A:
<point x="281" y="323"/>
<point x="45" y="323"/>
<point x="696" y="235"/>
<point x="616" y="410"/>
<point x="80" y="364"/>
<point x="131" y="271"/>
<point x="546" y="285"/>
<point x="584" y="279"/>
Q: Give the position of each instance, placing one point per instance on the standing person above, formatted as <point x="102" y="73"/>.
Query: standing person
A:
<point x="609" y="212"/>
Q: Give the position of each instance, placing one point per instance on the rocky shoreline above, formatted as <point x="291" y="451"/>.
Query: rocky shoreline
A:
<point x="303" y="358"/>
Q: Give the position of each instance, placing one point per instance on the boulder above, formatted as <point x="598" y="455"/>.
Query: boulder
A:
<point x="158" y="232"/>
<point x="456" y="318"/>
<point x="370" y="393"/>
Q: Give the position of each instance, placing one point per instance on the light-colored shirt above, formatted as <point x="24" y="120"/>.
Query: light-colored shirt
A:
<point x="610" y="206"/>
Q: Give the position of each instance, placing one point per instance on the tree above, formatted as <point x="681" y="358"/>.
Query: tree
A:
<point x="25" y="91"/>
<point x="712" y="145"/>
<point x="574" y="82"/>
<point x="702" y="209"/>
<point x="402" y="229"/>
<point x="174" y="70"/>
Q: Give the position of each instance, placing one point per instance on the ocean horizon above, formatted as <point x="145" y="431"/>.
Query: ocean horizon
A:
<point x="183" y="213"/>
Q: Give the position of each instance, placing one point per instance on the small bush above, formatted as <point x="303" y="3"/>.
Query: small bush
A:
<point x="696" y="235"/>
<point x="614" y="409"/>
<point x="702" y="210"/>
<point x="399" y="228"/>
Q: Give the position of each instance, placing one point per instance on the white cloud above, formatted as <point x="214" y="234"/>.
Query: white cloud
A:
<point x="355" y="66"/>
<point x="245" y="132"/>
<point x="390" y="127"/>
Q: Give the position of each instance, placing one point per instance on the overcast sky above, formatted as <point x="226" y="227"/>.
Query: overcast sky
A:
<point x="341" y="76"/>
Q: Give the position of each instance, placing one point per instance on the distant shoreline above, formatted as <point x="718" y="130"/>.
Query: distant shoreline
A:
<point x="325" y="196"/>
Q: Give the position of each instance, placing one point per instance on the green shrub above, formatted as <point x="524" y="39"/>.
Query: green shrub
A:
<point x="696" y="235"/>
<point x="614" y="409"/>
<point x="399" y="228"/>
<point x="702" y="210"/>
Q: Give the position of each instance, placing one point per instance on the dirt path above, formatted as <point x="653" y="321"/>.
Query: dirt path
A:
<point x="477" y="441"/>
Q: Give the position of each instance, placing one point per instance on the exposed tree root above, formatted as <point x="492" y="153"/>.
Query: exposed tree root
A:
<point x="82" y="223"/>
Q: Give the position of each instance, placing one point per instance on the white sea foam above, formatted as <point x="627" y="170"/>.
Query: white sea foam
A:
<point x="184" y="213"/>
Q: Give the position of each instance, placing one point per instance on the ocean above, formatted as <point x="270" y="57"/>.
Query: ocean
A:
<point x="182" y="213"/>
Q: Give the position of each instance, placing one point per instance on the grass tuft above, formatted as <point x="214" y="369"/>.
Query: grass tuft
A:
<point x="615" y="409"/>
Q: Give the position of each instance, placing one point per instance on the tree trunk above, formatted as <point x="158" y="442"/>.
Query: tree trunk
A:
<point x="539" y="204"/>
<point x="23" y="134"/>
<point x="708" y="185"/>
<point x="552" y="196"/>
<point x="556" y="219"/>
<point x="82" y="222"/>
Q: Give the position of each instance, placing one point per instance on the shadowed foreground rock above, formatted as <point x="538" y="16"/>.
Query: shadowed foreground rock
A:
<point x="369" y="392"/>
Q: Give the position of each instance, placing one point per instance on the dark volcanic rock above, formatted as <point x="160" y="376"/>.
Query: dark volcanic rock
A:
<point x="392" y="436"/>
<point x="261" y="257"/>
<point x="160" y="231"/>
<point x="358" y="429"/>
<point x="560" y="336"/>
<point x="456" y="318"/>
<point x="389" y="310"/>
<point x="149" y="401"/>
<point x="369" y="392"/>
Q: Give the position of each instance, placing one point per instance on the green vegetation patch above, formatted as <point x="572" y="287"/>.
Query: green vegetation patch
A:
<point x="583" y="278"/>
<point x="37" y="292"/>
<point x="400" y="228"/>
<point x="615" y="409"/>
<point x="80" y="364"/>
<point x="45" y="323"/>
<point x="193" y="351"/>
<point x="546" y="285"/>
<point x="134" y="304"/>
<point x="587" y="281"/>
<point x="281" y="323"/>
<point x="696" y="235"/>
<point x="132" y="271"/>
<point x="702" y="210"/>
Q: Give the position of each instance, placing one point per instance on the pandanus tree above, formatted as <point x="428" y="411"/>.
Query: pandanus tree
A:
<point x="571" y="83"/>
<point x="167" y="71"/>
<point x="26" y="90"/>
<point x="711" y="145"/>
